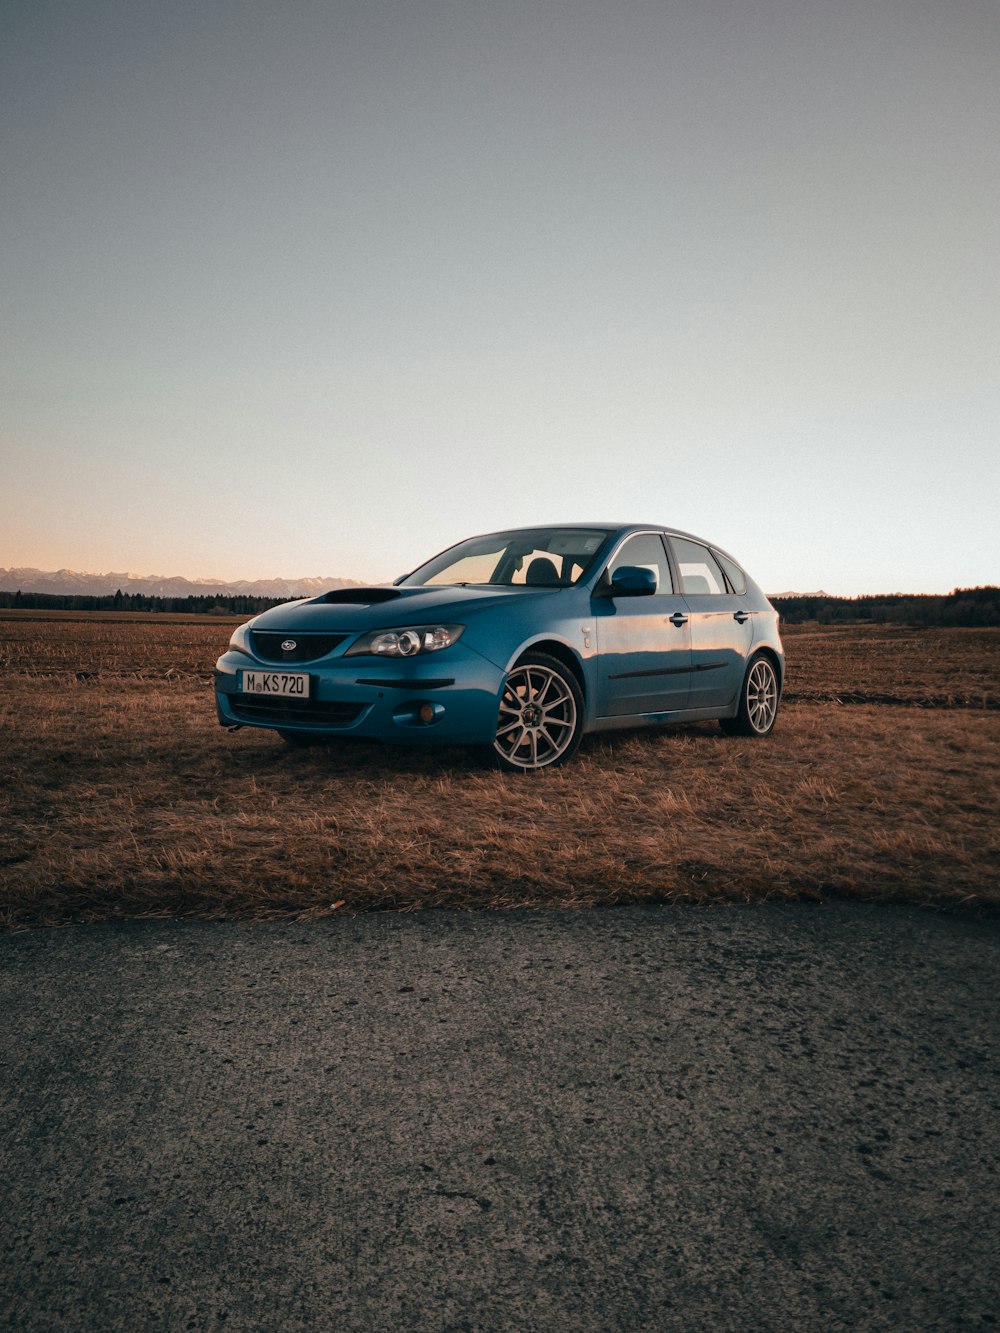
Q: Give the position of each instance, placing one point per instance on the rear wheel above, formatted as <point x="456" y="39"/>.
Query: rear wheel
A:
<point x="758" y="700"/>
<point x="540" y="720"/>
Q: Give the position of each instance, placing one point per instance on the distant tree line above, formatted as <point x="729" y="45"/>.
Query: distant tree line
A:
<point x="137" y="601"/>
<point x="968" y="607"/>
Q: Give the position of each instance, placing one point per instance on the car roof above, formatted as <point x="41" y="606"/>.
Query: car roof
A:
<point x="624" y="529"/>
<point x="619" y="529"/>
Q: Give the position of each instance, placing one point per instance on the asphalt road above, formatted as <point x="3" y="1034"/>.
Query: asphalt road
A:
<point x="782" y="1118"/>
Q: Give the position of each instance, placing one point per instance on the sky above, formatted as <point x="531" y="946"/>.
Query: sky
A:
<point x="319" y="287"/>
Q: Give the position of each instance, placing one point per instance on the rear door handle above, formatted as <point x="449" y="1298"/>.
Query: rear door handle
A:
<point x="741" y="616"/>
<point x="678" y="620"/>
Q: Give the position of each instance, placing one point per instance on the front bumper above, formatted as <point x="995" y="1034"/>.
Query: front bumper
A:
<point x="443" y="698"/>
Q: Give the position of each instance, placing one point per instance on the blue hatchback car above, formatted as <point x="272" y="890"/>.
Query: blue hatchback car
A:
<point x="518" y="641"/>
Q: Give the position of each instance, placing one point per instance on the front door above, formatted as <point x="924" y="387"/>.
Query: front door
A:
<point x="644" y="643"/>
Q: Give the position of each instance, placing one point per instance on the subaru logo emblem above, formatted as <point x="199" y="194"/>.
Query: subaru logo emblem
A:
<point x="288" y="645"/>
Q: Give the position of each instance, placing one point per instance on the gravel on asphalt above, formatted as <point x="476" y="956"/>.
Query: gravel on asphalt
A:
<point x="783" y="1118"/>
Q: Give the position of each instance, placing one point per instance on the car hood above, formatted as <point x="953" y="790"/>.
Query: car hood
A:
<point x="349" y="609"/>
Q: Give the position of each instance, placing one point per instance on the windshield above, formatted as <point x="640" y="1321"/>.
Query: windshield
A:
<point x="529" y="558"/>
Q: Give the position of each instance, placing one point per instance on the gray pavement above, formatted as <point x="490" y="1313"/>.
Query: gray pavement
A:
<point x="646" y="1118"/>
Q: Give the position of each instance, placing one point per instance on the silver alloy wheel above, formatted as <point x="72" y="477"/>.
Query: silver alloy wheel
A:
<point x="538" y="719"/>
<point x="761" y="695"/>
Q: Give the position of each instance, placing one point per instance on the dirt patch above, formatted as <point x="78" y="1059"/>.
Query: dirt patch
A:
<point x="942" y="668"/>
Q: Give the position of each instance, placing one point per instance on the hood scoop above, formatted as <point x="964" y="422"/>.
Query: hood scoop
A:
<point x="360" y="596"/>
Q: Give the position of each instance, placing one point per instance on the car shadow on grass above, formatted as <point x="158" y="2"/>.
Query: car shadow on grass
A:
<point x="642" y="746"/>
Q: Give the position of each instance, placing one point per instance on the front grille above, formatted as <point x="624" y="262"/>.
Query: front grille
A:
<point x="254" y="708"/>
<point x="308" y="647"/>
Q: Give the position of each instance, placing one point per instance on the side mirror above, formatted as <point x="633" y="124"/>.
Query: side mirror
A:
<point x="633" y="581"/>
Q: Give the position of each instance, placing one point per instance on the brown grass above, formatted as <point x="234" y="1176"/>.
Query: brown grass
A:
<point x="121" y="796"/>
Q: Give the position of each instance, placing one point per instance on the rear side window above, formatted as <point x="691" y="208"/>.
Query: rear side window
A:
<point x="698" y="568"/>
<point x="734" y="574"/>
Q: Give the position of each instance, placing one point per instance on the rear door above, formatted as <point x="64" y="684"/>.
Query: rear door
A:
<point x="721" y="626"/>
<point x="644" y="643"/>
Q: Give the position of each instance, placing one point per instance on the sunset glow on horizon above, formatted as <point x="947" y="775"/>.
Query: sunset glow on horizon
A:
<point x="322" y="288"/>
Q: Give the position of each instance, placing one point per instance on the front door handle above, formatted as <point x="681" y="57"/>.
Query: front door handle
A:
<point x="678" y="620"/>
<point x="741" y="617"/>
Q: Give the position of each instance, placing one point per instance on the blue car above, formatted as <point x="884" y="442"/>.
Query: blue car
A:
<point x="520" y="642"/>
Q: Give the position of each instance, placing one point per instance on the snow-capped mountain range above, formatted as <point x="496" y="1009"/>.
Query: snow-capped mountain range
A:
<point x="69" y="582"/>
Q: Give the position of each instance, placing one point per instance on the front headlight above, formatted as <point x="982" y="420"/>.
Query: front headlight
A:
<point x="240" y="641"/>
<point x="406" y="642"/>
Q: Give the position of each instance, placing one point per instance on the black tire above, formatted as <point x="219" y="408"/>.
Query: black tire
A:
<point x="760" y="694"/>
<point x="540" y="719"/>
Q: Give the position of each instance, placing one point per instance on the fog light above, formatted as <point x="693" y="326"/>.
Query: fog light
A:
<point x="418" y="713"/>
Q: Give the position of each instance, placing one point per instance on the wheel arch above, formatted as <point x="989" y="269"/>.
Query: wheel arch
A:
<point x="562" y="652"/>
<point x="764" y="650"/>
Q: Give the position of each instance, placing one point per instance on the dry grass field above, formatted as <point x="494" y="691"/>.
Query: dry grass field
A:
<point x="121" y="797"/>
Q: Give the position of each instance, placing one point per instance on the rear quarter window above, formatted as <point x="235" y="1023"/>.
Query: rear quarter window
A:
<point x="734" y="574"/>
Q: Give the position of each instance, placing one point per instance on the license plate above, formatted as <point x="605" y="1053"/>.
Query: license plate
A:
<point x="285" y="684"/>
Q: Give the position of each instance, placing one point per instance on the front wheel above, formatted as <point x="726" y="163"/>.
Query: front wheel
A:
<point x="540" y="720"/>
<point x="758" y="700"/>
